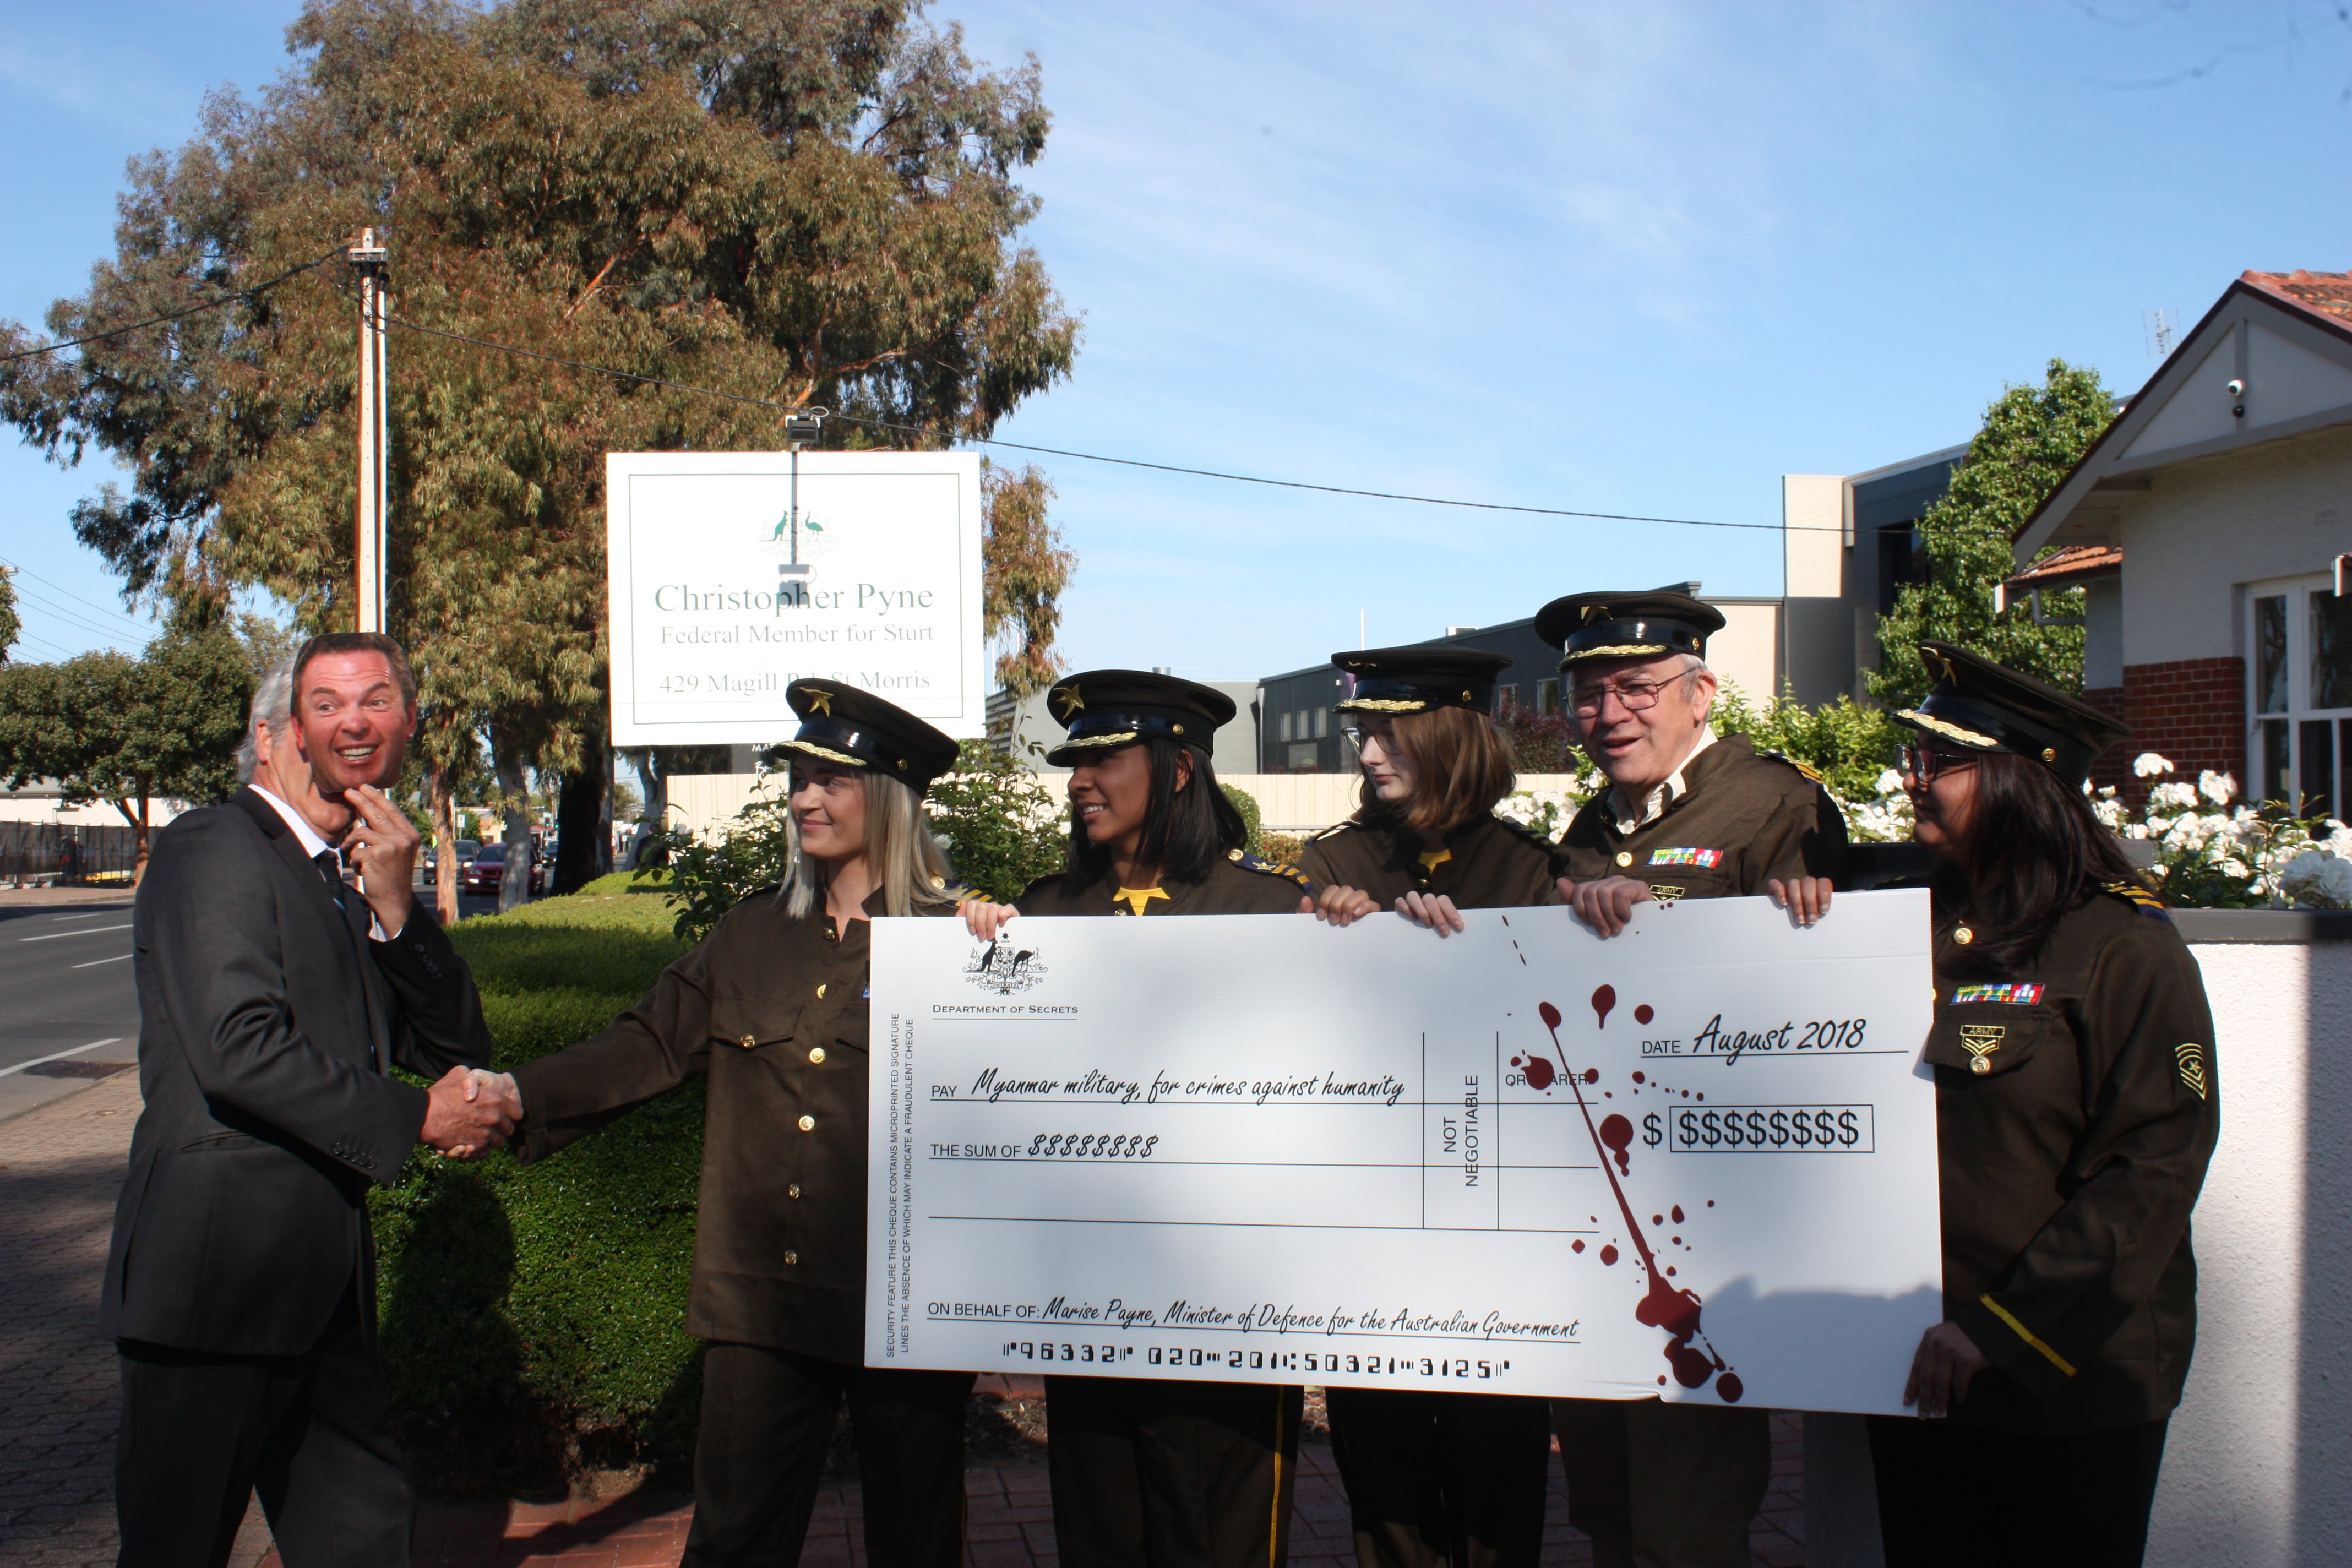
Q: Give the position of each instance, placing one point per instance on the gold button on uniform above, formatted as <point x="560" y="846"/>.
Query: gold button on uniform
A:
<point x="1980" y="1066"/>
<point x="1624" y="857"/>
<point x="747" y="1042"/>
<point x="1964" y="936"/>
<point x="816" y="1053"/>
<point x="820" y="993"/>
<point x="793" y="1191"/>
<point x="808" y="1123"/>
<point x="790" y="1259"/>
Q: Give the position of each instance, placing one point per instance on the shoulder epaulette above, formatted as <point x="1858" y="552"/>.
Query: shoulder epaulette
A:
<point x="1809" y="771"/>
<point x="2133" y="893"/>
<point x="1284" y="869"/>
<point x="1335" y="829"/>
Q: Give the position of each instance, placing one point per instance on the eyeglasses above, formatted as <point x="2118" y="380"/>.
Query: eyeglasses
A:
<point x="1633" y="696"/>
<point x="1359" y="733"/>
<point x="1925" y="762"/>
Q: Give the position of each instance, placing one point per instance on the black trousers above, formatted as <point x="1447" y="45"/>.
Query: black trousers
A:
<point x="1442" y="1476"/>
<point x="1664" y="1486"/>
<point x="1951" y="1494"/>
<point x="767" y="1422"/>
<point x="311" y="1434"/>
<point x="1163" y="1474"/>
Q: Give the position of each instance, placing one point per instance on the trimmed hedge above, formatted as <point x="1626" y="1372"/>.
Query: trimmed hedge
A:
<point x="534" y="1321"/>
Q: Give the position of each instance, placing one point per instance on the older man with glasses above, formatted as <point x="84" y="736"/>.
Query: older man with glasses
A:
<point x="1688" y="815"/>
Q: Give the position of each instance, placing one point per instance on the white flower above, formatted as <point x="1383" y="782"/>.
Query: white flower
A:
<point x="2173" y="795"/>
<point x="2317" y="879"/>
<point x="2215" y="787"/>
<point x="1890" y="783"/>
<point x="2147" y="764"/>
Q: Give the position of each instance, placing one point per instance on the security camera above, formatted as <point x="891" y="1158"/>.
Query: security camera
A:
<point x="2236" y="389"/>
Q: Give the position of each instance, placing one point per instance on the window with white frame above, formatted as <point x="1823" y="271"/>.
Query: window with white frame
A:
<point x="1322" y="722"/>
<point x="1548" y="696"/>
<point x="2299" y="665"/>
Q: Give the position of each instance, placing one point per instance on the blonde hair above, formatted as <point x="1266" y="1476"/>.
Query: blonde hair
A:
<point x="906" y="860"/>
<point x="1465" y="768"/>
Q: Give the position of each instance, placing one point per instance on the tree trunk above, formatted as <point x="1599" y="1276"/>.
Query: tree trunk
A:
<point x="514" y="883"/>
<point x="444" y="836"/>
<point x="138" y="821"/>
<point x="584" y="818"/>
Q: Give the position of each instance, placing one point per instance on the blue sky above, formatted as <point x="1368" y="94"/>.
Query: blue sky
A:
<point x="1620" y="258"/>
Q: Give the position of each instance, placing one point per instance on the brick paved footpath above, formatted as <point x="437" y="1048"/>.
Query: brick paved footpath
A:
<point x="59" y="1168"/>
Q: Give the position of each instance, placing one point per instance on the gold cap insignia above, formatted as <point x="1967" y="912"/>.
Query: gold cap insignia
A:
<point x="1070" y="700"/>
<point x="1981" y="1040"/>
<point x="819" y="699"/>
<point x="1592" y="612"/>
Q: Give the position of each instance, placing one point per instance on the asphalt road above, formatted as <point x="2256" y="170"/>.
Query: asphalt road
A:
<point x="66" y="995"/>
<point x="69" y="1006"/>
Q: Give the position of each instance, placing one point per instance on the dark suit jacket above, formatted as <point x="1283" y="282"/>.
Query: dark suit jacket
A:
<point x="267" y="1016"/>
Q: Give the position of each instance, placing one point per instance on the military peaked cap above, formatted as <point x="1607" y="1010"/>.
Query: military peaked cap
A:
<point x="1417" y="680"/>
<point x="1986" y="707"/>
<point x="853" y="728"/>
<point x="1107" y="709"/>
<point x="1627" y="626"/>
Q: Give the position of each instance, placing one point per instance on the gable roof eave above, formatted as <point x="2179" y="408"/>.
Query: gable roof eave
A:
<point x="2107" y="455"/>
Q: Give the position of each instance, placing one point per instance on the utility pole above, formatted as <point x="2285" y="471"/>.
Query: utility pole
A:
<point x="367" y="258"/>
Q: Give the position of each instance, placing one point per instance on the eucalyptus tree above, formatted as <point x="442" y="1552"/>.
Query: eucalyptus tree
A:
<point x="785" y="202"/>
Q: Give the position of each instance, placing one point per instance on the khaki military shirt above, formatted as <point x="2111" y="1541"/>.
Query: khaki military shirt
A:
<point x="1240" y="884"/>
<point x="1486" y="864"/>
<point x="2076" y="1105"/>
<point x="1744" y="819"/>
<point x="773" y="1010"/>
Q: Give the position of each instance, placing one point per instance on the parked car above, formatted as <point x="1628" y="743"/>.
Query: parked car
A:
<point x="467" y="849"/>
<point x="485" y="871"/>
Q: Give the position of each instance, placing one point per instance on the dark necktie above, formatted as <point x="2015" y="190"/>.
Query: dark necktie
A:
<point x="330" y="866"/>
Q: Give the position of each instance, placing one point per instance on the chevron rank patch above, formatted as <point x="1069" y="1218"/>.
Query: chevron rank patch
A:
<point x="1706" y="859"/>
<point x="2023" y="994"/>
<point x="2133" y="893"/>
<point x="2192" y="1067"/>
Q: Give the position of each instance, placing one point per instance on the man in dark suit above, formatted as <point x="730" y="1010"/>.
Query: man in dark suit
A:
<point x="241" y="1286"/>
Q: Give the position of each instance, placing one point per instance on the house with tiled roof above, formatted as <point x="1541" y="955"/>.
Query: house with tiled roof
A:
<point x="2212" y="528"/>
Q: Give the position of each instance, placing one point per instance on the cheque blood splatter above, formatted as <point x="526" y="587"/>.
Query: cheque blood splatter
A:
<point x="1618" y="1134"/>
<point x="1644" y="1013"/>
<point x="1663" y="1305"/>
<point x="1604" y="997"/>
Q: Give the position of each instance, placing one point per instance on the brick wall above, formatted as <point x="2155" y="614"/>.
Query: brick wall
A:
<point x="2191" y="711"/>
<point x="2114" y="766"/>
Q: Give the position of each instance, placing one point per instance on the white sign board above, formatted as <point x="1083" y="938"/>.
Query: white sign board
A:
<point x="723" y="591"/>
<point x="1696" y="1160"/>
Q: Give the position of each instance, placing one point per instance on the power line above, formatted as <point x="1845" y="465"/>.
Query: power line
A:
<point x="245" y="294"/>
<point x="60" y="588"/>
<point x="1098" y="457"/>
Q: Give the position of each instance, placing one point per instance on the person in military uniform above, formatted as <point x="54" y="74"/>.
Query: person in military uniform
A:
<point x="1689" y="815"/>
<point x="1434" y="1478"/>
<point x="1159" y="1473"/>
<point x="770" y="1006"/>
<point x="2077" y="1104"/>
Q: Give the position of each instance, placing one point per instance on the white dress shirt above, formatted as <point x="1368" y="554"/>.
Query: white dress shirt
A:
<point x="313" y="847"/>
<point x="1653" y="805"/>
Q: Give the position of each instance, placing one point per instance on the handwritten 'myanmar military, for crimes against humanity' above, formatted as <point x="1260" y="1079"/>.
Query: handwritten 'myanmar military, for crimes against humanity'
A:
<point x="1696" y="1160"/>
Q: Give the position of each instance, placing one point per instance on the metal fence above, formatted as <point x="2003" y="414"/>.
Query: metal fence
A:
<point x="48" y="852"/>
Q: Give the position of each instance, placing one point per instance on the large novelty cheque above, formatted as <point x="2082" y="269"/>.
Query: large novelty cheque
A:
<point x="1694" y="1160"/>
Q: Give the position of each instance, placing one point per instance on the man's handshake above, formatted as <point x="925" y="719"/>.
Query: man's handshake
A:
<point x="469" y="1111"/>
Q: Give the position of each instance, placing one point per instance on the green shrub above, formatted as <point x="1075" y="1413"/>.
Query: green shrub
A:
<point x="1003" y="829"/>
<point x="535" y="1319"/>
<point x="1246" y="804"/>
<point x="1849" y="743"/>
